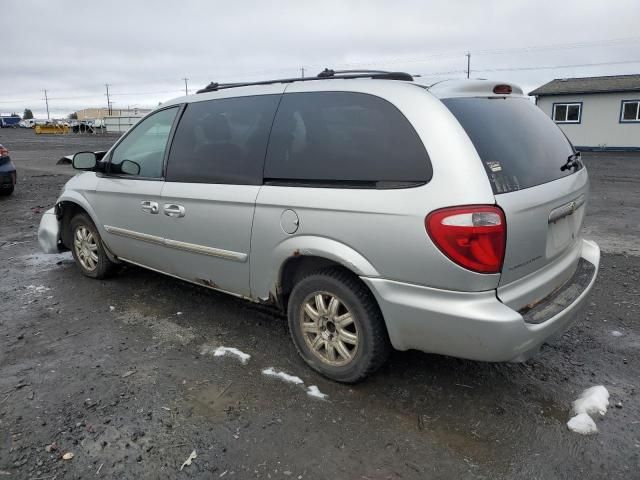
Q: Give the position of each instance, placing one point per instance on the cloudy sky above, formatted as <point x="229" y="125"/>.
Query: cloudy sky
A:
<point x="143" y="49"/>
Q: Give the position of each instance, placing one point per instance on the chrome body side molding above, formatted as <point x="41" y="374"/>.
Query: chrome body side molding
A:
<point x="187" y="247"/>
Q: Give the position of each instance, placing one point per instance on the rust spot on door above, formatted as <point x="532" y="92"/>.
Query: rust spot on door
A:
<point x="208" y="283"/>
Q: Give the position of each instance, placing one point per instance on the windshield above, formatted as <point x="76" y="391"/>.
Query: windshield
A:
<point x="520" y="147"/>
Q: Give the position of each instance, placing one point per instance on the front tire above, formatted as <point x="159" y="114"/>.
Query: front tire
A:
<point x="337" y="326"/>
<point x="88" y="250"/>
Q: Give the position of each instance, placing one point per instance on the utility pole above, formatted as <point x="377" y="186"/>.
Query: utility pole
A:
<point x="302" y="72"/>
<point x="108" y="101"/>
<point x="46" y="100"/>
<point x="186" y="88"/>
<point x="468" y="55"/>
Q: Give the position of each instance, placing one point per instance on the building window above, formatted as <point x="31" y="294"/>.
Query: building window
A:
<point x="567" y="112"/>
<point x="630" y="111"/>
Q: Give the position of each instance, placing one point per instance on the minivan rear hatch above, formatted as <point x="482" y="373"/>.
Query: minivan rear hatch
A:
<point x="537" y="180"/>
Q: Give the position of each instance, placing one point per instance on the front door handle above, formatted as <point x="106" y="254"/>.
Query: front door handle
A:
<point x="173" y="210"/>
<point x="150" y="207"/>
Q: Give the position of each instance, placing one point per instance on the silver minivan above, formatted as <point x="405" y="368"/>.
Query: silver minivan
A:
<point x="375" y="211"/>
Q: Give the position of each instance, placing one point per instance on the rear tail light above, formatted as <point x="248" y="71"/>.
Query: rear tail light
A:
<point x="14" y="178"/>
<point x="474" y="237"/>
<point x="4" y="152"/>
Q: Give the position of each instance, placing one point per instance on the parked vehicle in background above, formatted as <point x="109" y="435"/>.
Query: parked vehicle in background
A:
<point x="375" y="211"/>
<point x="32" y="122"/>
<point x="87" y="126"/>
<point x="8" y="175"/>
<point x="9" y="121"/>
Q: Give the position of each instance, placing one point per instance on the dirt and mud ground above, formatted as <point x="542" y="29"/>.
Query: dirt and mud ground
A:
<point x="115" y="372"/>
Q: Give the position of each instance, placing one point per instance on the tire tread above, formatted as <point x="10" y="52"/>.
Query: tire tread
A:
<point x="381" y="344"/>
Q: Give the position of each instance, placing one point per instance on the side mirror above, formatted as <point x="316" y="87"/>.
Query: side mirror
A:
<point x="130" y="167"/>
<point x="85" y="161"/>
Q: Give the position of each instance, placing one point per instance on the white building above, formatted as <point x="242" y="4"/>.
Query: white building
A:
<point x="595" y="112"/>
<point x="120" y="124"/>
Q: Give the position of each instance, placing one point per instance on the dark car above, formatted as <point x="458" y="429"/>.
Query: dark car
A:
<point x="8" y="174"/>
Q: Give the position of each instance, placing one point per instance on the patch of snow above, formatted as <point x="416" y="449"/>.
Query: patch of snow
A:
<point x="179" y="313"/>
<point x="593" y="400"/>
<point x="582" y="424"/>
<point x="282" y="375"/>
<point x="222" y="351"/>
<point x="111" y="308"/>
<point x="313" y="391"/>
<point x="616" y="333"/>
<point x="190" y="459"/>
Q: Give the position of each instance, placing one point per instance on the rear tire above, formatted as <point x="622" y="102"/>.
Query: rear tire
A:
<point x="337" y="326"/>
<point x="6" y="191"/>
<point x="88" y="250"/>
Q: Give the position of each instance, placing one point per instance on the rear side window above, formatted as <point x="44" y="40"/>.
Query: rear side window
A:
<point x="344" y="139"/>
<point x="222" y="141"/>
<point x="520" y="147"/>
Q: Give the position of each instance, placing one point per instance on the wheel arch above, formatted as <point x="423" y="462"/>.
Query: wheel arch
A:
<point x="297" y="256"/>
<point x="68" y="206"/>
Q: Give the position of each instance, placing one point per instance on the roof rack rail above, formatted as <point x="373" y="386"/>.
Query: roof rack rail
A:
<point x="380" y="74"/>
<point x="326" y="74"/>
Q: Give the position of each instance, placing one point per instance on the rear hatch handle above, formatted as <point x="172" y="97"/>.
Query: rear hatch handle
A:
<point x="566" y="209"/>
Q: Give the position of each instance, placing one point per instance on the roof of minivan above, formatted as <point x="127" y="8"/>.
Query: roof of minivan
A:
<point x="443" y="89"/>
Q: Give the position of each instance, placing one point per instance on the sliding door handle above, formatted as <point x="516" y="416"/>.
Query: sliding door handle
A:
<point x="150" y="207"/>
<point x="173" y="210"/>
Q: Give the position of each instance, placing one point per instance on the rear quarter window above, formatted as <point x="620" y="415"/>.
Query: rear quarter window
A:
<point x="344" y="139"/>
<point x="520" y="147"/>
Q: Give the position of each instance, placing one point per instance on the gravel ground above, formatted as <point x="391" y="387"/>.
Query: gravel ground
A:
<point x="120" y="373"/>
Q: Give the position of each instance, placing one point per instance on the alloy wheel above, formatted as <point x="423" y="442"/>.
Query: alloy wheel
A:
<point x="86" y="248"/>
<point x="329" y="329"/>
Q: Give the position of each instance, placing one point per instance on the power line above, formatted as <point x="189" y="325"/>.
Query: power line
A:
<point x="447" y="72"/>
<point x="145" y="93"/>
<point x="609" y="42"/>
<point x="552" y="67"/>
<point x="560" y="46"/>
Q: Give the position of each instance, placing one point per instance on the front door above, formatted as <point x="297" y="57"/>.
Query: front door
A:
<point x="128" y="195"/>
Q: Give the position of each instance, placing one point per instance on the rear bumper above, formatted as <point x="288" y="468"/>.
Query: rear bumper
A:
<point x="49" y="232"/>
<point x="473" y="325"/>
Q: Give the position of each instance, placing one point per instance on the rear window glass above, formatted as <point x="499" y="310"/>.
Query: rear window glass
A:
<point x="343" y="138"/>
<point x="520" y="147"/>
<point x="222" y="141"/>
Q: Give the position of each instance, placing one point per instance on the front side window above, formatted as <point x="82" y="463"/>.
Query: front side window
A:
<point x="630" y="111"/>
<point x="222" y="141"/>
<point x="141" y="152"/>
<point x="567" y="112"/>
<point x="344" y="139"/>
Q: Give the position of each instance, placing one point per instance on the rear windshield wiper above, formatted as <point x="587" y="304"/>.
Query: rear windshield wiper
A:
<point x="573" y="161"/>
